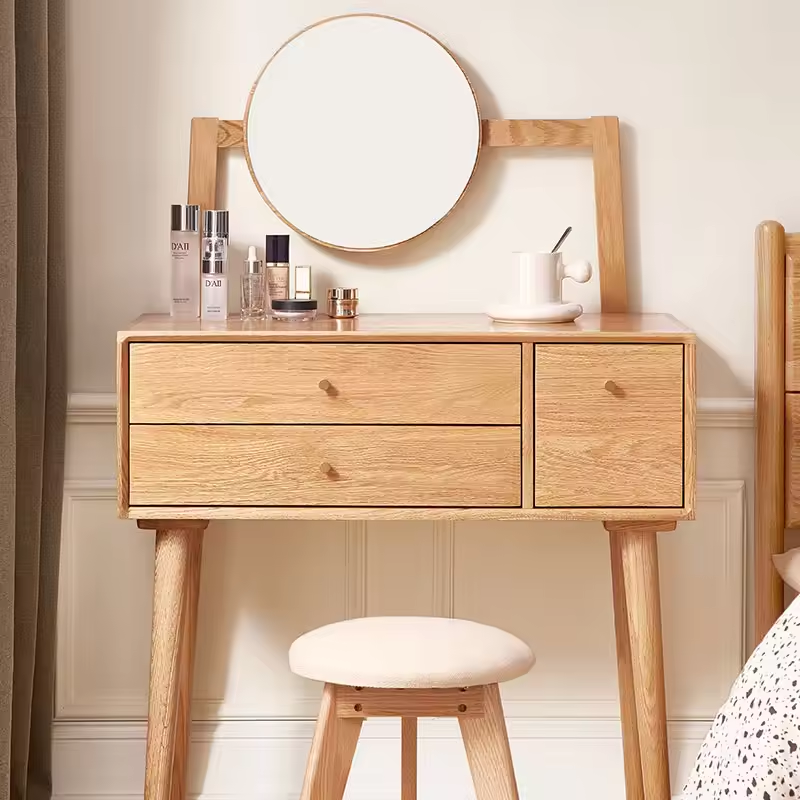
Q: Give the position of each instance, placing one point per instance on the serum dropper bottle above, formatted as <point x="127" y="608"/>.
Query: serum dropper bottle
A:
<point x="254" y="287"/>
<point x="214" y="286"/>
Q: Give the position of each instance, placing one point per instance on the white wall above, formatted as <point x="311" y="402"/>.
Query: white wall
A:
<point x="709" y="149"/>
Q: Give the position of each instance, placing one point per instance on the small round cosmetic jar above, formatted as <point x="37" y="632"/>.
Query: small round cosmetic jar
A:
<point x="342" y="303"/>
<point x="294" y="310"/>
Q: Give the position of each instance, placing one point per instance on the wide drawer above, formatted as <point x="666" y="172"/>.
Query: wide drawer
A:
<point x="413" y="384"/>
<point x="310" y="465"/>
<point x="609" y="425"/>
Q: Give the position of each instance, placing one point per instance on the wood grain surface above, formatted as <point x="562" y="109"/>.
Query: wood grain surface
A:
<point x="332" y="751"/>
<point x="281" y="465"/>
<point x="230" y="133"/>
<point x="410" y="384"/>
<point x="566" y="133"/>
<point x="191" y="512"/>
<point x="690" y="428"/>
<point x="408" y="758"/>
<point x="638" y="550"/>
<point x="527" y="426"/>
<point x="177" y="567"/>
<point x="426" y="328"/>
<point x="122" y="428"/>
<point x="601" y="447"/>
<point x="634" y="788"/>
<point x="771" y="326"/>
<point x="610" y="215"/>
<point x="792" y="450"/>
<point x="183" y="728"/>
<point x="365" y="702"/>
<point x="771" y="371"/>
<point x="488" y="751"/>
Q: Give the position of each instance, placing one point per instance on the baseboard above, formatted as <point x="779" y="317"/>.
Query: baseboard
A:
<point x="265" y="759"/>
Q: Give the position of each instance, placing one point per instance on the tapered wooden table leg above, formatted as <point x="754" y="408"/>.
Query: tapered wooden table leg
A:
<point x="636" y="548"/>
<point x="175" y="593"/>
<point x="634" y="790"/>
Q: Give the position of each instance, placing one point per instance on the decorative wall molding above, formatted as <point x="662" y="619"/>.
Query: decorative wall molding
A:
<point x="71" y="704"/>
<point x="356" y="569"/>
<point x="731" y="494"/>
<point x="260" y="729"/>
<point x="443" y="568"/>
<point x="264" y="759"/>
<point x="88" y="408"/>
<point x="725" y="412"/>
<point x="68" y="701"/>
<point x="92" y="408"/>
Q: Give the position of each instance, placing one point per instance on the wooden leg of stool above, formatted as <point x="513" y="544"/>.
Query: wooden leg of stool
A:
<point x="409" y="759"/>
<point x="332" y="751"/>
<point x="488" y="751"/>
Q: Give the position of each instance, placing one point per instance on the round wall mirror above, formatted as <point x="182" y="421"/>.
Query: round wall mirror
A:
<point x="362" y="132"/>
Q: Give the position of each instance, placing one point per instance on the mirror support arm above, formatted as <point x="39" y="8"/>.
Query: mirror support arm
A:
<point x="600" y="135"/>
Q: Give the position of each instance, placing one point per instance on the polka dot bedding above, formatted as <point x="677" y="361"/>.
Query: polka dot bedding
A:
<point x="752" y="751"/>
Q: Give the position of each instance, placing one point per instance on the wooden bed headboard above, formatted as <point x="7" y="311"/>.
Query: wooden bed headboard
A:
<point x="777" y="468"/>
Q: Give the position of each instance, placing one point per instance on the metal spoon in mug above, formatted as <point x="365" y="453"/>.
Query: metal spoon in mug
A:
<point x="564" y="235"/>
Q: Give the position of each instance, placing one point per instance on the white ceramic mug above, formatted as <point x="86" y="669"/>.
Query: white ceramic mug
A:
<point x="541" y="274"/>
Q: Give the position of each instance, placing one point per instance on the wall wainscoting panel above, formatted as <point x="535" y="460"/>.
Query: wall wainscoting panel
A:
<point x="265" y="759"/>
<point x="264" y="583"/>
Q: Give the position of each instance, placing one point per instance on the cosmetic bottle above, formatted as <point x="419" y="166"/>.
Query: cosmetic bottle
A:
<point x="277" y="258"/>
<point x="254" y="287"/>
<point x="185" y="261"/>
<point x="342" y="303"/>
<point x="214" y="288"/>
<point x="302" y="282"/>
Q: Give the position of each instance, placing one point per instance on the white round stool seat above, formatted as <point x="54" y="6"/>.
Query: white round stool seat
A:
<point x="410" y="653"/>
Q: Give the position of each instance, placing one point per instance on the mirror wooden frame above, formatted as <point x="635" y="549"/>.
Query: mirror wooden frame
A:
<point x="599" y="135"/>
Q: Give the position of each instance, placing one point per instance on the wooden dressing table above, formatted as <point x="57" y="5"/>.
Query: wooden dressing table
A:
<point x="408" y="417"/>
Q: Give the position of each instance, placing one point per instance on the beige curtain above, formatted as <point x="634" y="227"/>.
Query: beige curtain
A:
<point x="32" y="383"/>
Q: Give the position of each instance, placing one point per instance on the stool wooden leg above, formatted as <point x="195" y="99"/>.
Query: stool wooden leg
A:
<point x="409" y="759"/>
<point x="638" y="552"/>
<point x="332" y="751"/>
<point x="177" y="571"/>
<point x="488" y="751"/>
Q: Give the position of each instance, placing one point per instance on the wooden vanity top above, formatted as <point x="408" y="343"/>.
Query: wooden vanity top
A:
<point x="415" y="327"/>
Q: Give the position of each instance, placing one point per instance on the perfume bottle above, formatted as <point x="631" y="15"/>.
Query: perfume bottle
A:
<point x="254" y="287"/>
<point x="185" y="261"/>
<point x="214" y="286"/>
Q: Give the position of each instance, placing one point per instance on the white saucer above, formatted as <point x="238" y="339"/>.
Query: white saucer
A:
<point x="549" y="312"/>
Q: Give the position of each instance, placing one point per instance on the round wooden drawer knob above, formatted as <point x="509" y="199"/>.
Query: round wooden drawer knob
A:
<point x="325" y="468"/>
<point x="325" y="385"/>
<point x="612" y="387"/>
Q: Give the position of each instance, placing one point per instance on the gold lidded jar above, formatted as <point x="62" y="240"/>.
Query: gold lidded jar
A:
<point x="342" y="303"/>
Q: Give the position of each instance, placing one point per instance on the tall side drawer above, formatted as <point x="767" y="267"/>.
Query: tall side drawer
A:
<point x="310" y="465"/>
<point x="608" y="425"/>
<point x="444" y="384"/>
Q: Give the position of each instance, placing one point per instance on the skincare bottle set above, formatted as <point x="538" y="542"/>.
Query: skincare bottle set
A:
<point x="206" y="297"/>
<point x="263" y="292"/>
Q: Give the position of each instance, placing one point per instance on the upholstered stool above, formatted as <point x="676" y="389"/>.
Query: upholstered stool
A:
<point x="410" y="667"/>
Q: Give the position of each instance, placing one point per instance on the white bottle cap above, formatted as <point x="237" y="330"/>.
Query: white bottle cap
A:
<point x="252" y="265"/>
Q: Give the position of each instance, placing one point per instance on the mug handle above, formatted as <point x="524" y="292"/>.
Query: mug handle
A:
<point x="578" y="271"/>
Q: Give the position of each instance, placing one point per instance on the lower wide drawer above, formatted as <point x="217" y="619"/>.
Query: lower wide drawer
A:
<point x="317" y="465"/>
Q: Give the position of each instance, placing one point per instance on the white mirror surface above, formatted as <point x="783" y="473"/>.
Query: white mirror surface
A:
<point x="362" y="132"/>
